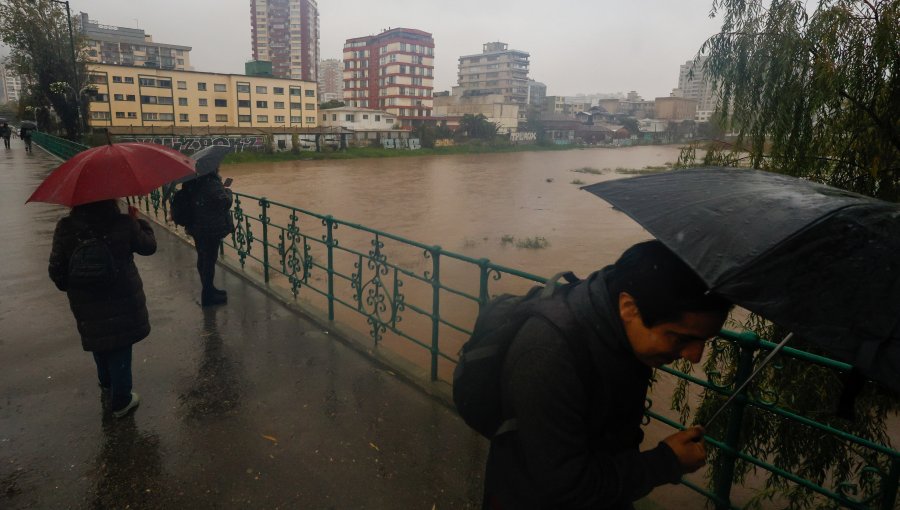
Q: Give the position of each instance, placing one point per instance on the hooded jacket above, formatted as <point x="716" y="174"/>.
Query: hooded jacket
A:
<point x="575" y="446"/>
<point x="114" y="316"/>
<point x="211" y="204"/>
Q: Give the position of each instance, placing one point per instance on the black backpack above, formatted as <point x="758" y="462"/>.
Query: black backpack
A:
<point x="92" y="264"/>
<point x="182" y="207"/>
<point x="477" y="377"/>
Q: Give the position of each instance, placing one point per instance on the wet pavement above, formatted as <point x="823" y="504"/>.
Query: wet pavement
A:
<point x="249" y="405"/>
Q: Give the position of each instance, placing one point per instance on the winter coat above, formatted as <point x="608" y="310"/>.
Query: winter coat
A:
<point x="114" y="316"/>
<point x="575" y="445"/>
<point x="25" y="133"/>
<point x="211" y="207"/>
<point x="5" y="131"/>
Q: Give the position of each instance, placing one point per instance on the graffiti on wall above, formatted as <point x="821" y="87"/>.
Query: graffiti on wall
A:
<point x="193" y="143"/>
<point x="523" y="136"/>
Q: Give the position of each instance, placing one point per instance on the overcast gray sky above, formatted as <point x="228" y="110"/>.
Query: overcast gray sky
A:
<point x="576" y="46"/>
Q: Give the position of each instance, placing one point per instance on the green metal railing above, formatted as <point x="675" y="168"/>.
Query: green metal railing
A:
<point x="61" y="147"/>
<point x="426" y="297"/>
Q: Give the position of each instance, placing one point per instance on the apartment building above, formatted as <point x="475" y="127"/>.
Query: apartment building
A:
<point x="331" y="79"/>
<point x="697" y="87"/>
<point x="286" y="32"/>
<point x="10" y="85"/>
<point x="496" y="70"/>
<point x="140" y="96"/>
<point x="392" y="71"/>
<point x="107" y="44"/>
<point x="357" y="119"/>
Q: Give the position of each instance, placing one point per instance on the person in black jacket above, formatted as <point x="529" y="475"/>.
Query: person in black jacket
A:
<point x="5" y="133"/>
<point x="211" y="221"/>
<point x="110" y="318"/>
<point x="575" y="444"/>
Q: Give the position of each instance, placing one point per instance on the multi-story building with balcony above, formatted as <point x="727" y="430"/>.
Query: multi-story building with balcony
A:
<point x="286" y="33"/>
<point x="331" y="80"/>
<point x="392" y="71"/>
<point x="140" y="96"/>
<point x="693" y="84"/>
<point x="10" y="85"/>
<point x="496" y="70"/>
<point x="107" y="44"/>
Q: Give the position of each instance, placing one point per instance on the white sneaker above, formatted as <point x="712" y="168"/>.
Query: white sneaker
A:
<point x="135" y="401"/>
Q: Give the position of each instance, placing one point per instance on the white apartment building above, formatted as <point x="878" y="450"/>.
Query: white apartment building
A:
<point x="496" y="70"/>
<point x="11" y="83"/>
<point x="697" y="88"/>
<point x="357" y="119"/>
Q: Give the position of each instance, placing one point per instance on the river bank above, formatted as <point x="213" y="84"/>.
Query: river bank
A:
<point x="378" y="152"/>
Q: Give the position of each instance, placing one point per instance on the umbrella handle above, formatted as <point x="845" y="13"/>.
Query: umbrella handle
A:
<point x="746" y="382"/>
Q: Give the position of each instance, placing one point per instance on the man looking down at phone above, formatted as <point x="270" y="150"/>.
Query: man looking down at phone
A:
<point x="211" y="221"/>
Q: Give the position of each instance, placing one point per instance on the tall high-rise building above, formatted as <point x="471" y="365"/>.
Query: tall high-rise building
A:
<point x="697" y="87"/>
<point x="331" y="80"/>
<point x="108" y="44"/>
<point x="286" y="33"/>
<point x="10" y="85"/>
<point x="392" y="71"/>
<point x="496" y="70"/>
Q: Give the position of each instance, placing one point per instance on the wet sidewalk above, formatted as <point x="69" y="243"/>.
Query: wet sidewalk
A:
<point x="248" y="405"/>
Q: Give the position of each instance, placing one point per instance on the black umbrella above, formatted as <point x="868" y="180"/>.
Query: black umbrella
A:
<point x="28" y="124"/>
<point x="207" y="161"/>
<point x="822" y="262"/>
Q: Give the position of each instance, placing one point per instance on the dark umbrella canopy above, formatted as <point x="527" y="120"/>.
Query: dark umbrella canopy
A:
<point x="28" y="124"/>
<point x="820" y="261"/>
<point x="206" y="161"/>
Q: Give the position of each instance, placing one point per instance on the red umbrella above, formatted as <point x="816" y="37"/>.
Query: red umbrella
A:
<point x="112" y="171"/>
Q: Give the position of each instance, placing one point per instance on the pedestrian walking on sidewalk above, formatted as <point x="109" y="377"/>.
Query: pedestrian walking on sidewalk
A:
<point x="25" y="135"/>
<point x="210" y="222"/>
<point x="5" y="133"/>
<point x="92" y="261"/>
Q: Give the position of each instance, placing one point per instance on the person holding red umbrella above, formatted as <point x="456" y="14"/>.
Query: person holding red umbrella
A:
<point x="92" y="261"/>
<point x="92" y="258"/>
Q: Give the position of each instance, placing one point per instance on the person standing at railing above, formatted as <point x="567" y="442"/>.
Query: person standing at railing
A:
<point x="5" y="133"/>
<point x="92" y="261"/>
<point x="576" y="416"/>
<point x="210" y="222"/>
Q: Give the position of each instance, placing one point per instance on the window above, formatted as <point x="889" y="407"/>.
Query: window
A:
<point x="278" y="91"/>
<point x="201" y="86"/>
<point x="243" y="103"/>
<point x="132" y="115"/>
<point x="378" y="118"/>
<point x="219" y="87"/>
<point x="365" y="117"/>
<point x="181" y="61"/>
<point x="204" y="117"/>
<point x="117" y="79"/>
<point x="279" y="105"/>
<point x="166" y="84"/>
<point x="148" y="99"/>
<point x="349" y="117"/>
<point x="202" y="102"/>
<point x="183" y="117"/>
<point x="244" y="118"/>
<point x="182" y="85"/>
<point x="388" y="121"/>
<point x="150" y="116"/>
<point x="334" y="116"/>
<point x="243" y="87"/>
<point x="296" y="106"/>
<point x="295" y="91"/>
<point x="262" y="104"/>
<point x="310" y="93"/>
<point x="279" y="119"/>
<point x="310" y="106"/>
<point x="100" y="115"/>
<point x="310" y="119"/>
<point x="262" y="118"/>
<point x="295" y="120"/>
<point x="129" y="79"/>
<point x="166" y="116"/>
<point x="120" y="115"/>
<point x="221" y="103"/>
<point x="261" y="89"/>
<point x="221" y="118"/>
<point x="182" y="101"/>
<point x="148" y="82"/>
<point x="164" y="100"/>
<point x="119" y="97"/>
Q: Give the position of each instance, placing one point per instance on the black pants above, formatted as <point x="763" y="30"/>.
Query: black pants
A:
<point x="207" y="254"/>
<point x="6" y="142"/>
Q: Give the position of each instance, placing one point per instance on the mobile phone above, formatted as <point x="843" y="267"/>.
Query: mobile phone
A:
<point x="228" y="182"/>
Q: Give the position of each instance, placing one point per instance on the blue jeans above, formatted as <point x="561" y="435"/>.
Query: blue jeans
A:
<point x="114" y="373"/>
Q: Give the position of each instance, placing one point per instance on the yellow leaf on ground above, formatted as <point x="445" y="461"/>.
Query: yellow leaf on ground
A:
<point x="270" y="438"/>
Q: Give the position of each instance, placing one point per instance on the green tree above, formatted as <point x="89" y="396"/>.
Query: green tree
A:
<point x="477" y="127"/>
<point x="37" y="33"/>
<point x="811" y="91"/>
<point x="334" y="103"/>
<point x="631" y="124"/>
